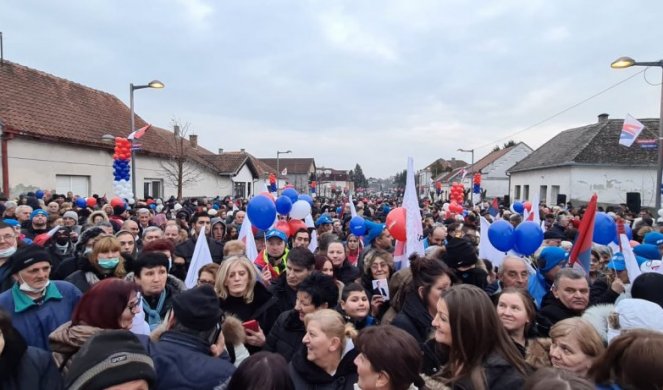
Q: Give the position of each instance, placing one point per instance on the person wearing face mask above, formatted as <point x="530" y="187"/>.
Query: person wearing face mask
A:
<point x="82" y="250"/>
<point x="37" y="305"/>
<point x="104" y="262"/>
<point x="8" y="244"/>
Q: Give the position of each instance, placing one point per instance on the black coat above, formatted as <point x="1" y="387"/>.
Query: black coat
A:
<point x="552" y="314"/>
<point x="286" y="296"/>
<point x="306" y="375"/>
<point x="286" y="335"/>
<point x="414" y="318"/>
<point x="34" y="370"/>
<point x="347" y="273"/>
<point x="601" y="293"/>
<point x="500" y="375"/>
<point x="185" y="250"/>
<point x="263" y="309"/>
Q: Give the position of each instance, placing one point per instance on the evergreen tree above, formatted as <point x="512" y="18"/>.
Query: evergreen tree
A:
<point x="359" y="178"/>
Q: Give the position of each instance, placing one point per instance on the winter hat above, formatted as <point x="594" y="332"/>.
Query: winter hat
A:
<point x="11" y="222"/>
<point x="654" y="238"/>
<point x="110" y="358"/>
<point x="27" y="256"/>
<point x="648" y="286"/>
<point x="648" y="251"/>
<point x="552" y="256"/>
<point x="460" y="253"/>
<point x="86" y="236"/>
<point x="198" y="308"/>
<point x="373" y="231"/>
<point x="637" y="314"/>
<point x="38" y="212"/>
<point x="553" y="235"/>
<point x="119" y="209"/>
<point x="70" y="214"/>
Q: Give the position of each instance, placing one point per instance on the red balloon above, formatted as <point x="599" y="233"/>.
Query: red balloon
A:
<point x="91" y="202"/>
<point x="396" y="223"/>
<point x="283" y="226"/>
<point x="296" y="224"/>
<point x="117" y="201"/>
<point x="528" y="205"/>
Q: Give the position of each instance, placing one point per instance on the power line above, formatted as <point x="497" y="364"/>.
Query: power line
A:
<point x="561" y="112"/>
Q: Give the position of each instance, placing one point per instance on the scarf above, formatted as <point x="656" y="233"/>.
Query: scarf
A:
<point x="153" y="316"/>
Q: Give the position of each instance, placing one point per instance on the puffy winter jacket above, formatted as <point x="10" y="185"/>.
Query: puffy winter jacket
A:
<point x="286" y="335"/>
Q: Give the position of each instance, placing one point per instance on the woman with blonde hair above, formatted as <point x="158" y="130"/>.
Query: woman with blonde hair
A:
<point x="240" y="295"/>
<point x="105" y="261"/>
<point x="575" y="345"/>
<point x="326" y="360"/>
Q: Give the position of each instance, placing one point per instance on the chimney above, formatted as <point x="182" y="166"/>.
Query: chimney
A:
<point x="193" y="139"/>
<point x="242" y="150"/>
<point x="176" y="129"/>
<point x="220" y="150"/>
<point x="603" y="118"/>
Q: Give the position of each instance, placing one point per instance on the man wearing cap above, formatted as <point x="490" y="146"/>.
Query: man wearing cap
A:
<point x="187" y="354"/>
<point x="8" y="245"/>
<point x="571" y="297"/>
<point x="112" y="359"/>
<point x="323" y="224"/>
<point x="654" y="238"/>
<point x="553" y="238"/>
<point x="604" y="291"/>
<point x="37" y="305"/>
<point x="550" y="262"/>
<point x="272" y="260"/>
<point x="38" y="225"/>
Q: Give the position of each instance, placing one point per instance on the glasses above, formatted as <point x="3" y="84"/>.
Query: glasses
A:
<point x="8" y="238"/>
<point x="133" y="305"/>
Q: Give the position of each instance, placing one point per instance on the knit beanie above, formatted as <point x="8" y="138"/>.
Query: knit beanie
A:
<point x="552" y="256"/>
<point x="71" y="214"/>
<point x="648" y="286"/>
<point x="198" y="308"/>
<point x="460" y="253"/>
<point x="110" y="358"/>
<point x="27" y="256"/>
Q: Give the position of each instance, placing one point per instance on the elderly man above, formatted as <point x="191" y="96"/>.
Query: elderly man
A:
<point x="53" y="208"/>
<point x="23" y="214"/>
<point x="70" y="220"/>
<point x="571" y="291"/>
<point x="152" y="233"/>
<point x="437" y="236"/>
<point x="513" y="273"/>
<point x="37" y="305"/>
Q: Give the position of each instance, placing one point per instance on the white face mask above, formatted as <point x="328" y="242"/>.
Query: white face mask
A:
<point x="26" y="287"/>
<point x="7" y="252"/>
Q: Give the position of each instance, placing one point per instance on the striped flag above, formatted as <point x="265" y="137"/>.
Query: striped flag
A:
<point x="139" y="133"/>
<point x="582" y="247"/>
<point x="630" y="130"/>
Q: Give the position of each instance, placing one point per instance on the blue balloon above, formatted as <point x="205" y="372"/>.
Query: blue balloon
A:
<point x="261" y="212"/>
<point x="358" y="226"/>
<point x="306" y="197"/>
<point x="528" y="237"/>
<point x="283" y="205"/>
<point x="605" y="229"/>
<point x="39" y="194"/>
<point x="627" y="230"/>
<point x="153" y="206"/>
<point x="500" y="235"/>
<point x="81" y="203"/>
<point x="291" y="193"/>
<point x="518" y="207"/>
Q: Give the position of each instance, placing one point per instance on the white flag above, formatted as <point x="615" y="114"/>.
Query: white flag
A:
<point x="284" y="171"/>
<point x="486" y="249"/>
<point x="201" y="257"/>
<point x="353" y="210"/>
<point x="632" y="268"/>
<point x="246" y="236"/>
<point x="413" y="226"/>
<point x="630" y="130"/>
<point x="313" y="245"/>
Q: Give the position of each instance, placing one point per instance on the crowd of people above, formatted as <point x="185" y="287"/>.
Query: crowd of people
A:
<point x="94" y="298"/>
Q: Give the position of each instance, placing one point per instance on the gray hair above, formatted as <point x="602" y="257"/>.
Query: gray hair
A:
<point x="569" y="273"/>
<point x="150" y="229"/>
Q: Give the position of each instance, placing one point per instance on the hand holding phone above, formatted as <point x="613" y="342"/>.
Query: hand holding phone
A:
<point x="251" y="324"/>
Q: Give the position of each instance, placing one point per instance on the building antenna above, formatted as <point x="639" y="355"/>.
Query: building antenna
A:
<point x="2" y="56"/>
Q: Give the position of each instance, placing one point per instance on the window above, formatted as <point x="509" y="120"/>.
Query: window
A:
<point x="554" y="192"/>
<point x="153" y="188"/>
<point x="543" y="193"/>
<point x="78" y="185"/>
<point x="239" y="190"/>
<point x="525" y="192"/>
<point x="517" y="194"/>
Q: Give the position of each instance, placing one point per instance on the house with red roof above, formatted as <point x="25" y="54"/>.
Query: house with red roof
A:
<point x="58" y="135"/>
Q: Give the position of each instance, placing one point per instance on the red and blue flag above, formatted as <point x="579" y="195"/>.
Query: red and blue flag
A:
<point x="582" y="247"/>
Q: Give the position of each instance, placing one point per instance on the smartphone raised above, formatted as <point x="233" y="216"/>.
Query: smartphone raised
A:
<point x="251" y="324"/>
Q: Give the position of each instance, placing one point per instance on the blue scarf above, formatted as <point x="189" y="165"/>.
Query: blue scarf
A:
<point x="153" y="316"/>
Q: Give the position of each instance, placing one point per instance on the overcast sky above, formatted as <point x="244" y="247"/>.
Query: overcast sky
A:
<point x="345" y="82"/>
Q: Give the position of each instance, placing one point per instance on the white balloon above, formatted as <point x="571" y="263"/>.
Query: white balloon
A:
<point x="300" y="209"/>
<point x="660" y="213"/>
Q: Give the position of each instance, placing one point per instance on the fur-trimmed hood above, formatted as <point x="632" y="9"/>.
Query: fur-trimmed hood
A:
<point x="233" y="331"/>
<point x="598" y="316"/>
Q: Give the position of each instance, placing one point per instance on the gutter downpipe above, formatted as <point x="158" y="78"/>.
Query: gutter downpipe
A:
<point x="4" y="140"/>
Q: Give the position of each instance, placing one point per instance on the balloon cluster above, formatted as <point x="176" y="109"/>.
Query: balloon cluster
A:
<point x="457" y="193"/>
<point x="122" y="168"/>
<point x="272" y="182"/>
<point x="263" y="208"/>
<point x="524" y="239"/>
<point x="476" y="183"/>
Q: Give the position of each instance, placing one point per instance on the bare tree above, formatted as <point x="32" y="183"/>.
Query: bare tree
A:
<point x="180" y="168"/>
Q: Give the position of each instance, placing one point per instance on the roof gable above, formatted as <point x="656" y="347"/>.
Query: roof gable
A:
<point x="594" y="144"/>
<point x="295" y="166"/>
<point x="230" y="163"/>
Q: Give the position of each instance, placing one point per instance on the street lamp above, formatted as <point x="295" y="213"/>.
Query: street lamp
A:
<point x="278" y="172"/>
<point x="625" y="62"/>
<point x="152" y="84"/>
<point x="468" y="151"/>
